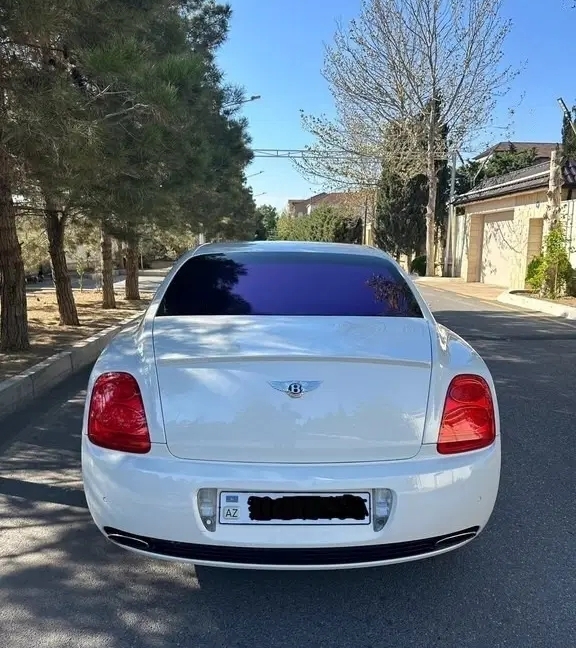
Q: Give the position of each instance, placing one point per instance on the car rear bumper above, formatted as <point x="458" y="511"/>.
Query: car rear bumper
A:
<point x="284" y="558"/>
<point x="148" y="504"/>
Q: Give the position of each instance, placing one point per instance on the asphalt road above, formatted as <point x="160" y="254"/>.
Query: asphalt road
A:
<point x="63" y="585"/>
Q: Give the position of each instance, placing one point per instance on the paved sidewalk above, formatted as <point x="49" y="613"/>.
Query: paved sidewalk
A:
<point x="478" y="290"/>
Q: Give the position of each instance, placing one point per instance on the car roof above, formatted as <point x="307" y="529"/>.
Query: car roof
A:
<point x="287" y="246"/>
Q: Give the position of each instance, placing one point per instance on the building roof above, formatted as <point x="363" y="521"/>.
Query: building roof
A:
<point x="527" y="179"/>
<point x="542" y="149"/>
<point x="320" y="199"/>
<point x="331" y="198"/>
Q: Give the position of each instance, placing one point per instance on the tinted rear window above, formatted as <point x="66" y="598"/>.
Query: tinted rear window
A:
<point x="289" y="283"/>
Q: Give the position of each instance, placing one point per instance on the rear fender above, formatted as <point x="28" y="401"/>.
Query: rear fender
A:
<point x="131" y="350"/>
<point x="451" y="355"/>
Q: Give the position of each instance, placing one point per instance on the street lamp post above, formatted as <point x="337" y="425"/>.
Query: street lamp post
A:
<point x="232" y="104"/>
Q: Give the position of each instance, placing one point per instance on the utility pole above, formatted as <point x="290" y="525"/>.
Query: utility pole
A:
<point x="554" y="206"/>
<point x="450" y="230"/>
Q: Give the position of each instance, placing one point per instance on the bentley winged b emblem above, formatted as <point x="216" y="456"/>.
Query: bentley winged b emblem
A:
<point x="295" y="388"/>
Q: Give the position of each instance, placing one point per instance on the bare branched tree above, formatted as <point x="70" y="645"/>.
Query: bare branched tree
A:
<point x="345" y="156"/>
<point x="404" y="71"/>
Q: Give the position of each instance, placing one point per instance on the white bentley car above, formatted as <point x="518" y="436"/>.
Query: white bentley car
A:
<point x="289" y="405"/>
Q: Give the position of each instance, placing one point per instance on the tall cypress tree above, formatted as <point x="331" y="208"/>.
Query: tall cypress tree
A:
<point x="400" y="224"/>
<point x="568" y="137"/>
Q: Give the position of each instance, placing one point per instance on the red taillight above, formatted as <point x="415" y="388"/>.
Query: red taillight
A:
<point x="468" y="418"/>
<point x="116" y="419"/>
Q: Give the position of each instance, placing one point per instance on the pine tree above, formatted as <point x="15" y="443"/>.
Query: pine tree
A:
<point x="182" y="158"/>
<point x="24" y="118"/>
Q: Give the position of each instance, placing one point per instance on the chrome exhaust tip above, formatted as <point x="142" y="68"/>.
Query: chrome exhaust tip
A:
<point x="128" y="541"/>
<point x="455" y="539"/>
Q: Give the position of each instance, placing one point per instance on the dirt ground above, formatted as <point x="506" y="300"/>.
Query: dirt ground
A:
<point x="47" y="337"/>
<point x="564" y="301"/>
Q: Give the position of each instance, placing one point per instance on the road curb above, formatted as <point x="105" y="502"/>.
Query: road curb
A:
<point x="19" y="390"/>
<point x="538" y="305"/>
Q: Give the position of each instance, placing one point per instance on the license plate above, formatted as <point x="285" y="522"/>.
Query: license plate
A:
<point x="295" y="508"/>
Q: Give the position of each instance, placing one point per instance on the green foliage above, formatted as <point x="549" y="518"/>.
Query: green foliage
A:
<point x="267" y="220"/>
<point x="400" y="223"/>
<point x="81" y="262"/>
<point x="33" y="242"/>
<point x="239" y="221"/>
<point x="325" y="223"/>
<point x="180" y="154"/>
<point x="472" y="173"/>
<point x="157" y="243"/>
<point x="505" y="162"/>
<point x="122" y="114"/>
<point x="82" y="245"/>
<point x="535" y="273"/>
<point x="418" y="265"/>
<point x="116" y="112"/>
<point x="568" y="137"/>
<point x="551" y="274"/>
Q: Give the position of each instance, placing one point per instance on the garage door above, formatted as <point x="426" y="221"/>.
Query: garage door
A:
<point x="497" y="249"/>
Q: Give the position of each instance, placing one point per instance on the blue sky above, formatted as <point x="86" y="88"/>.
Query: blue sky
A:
<point x="276" y="50"/>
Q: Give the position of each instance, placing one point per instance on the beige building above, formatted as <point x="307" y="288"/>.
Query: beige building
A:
<point x="502" y="225"/>
<point x="303" y="207"/>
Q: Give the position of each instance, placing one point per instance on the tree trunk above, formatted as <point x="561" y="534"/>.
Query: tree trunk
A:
<point x="432" y="185"/>
<point x="108" y="298"/>
<point x="132" y="288"/>
<point x="13" y="306"/>
<point x="119" y="255"/>
<point x="55" y="223"/>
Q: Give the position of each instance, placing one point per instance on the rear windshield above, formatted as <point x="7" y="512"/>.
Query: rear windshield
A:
<point x="289" y="283"/>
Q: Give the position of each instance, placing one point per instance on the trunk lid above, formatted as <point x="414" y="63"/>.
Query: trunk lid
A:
<point x="224" y="384"/>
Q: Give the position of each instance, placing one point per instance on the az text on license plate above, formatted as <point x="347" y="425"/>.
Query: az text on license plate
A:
<point x="294" y="508"/>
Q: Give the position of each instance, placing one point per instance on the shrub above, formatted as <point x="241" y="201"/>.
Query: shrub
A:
<point x="551" y="274"/>
<point x="535" y="273"/>
<point x="326" y="223"/>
